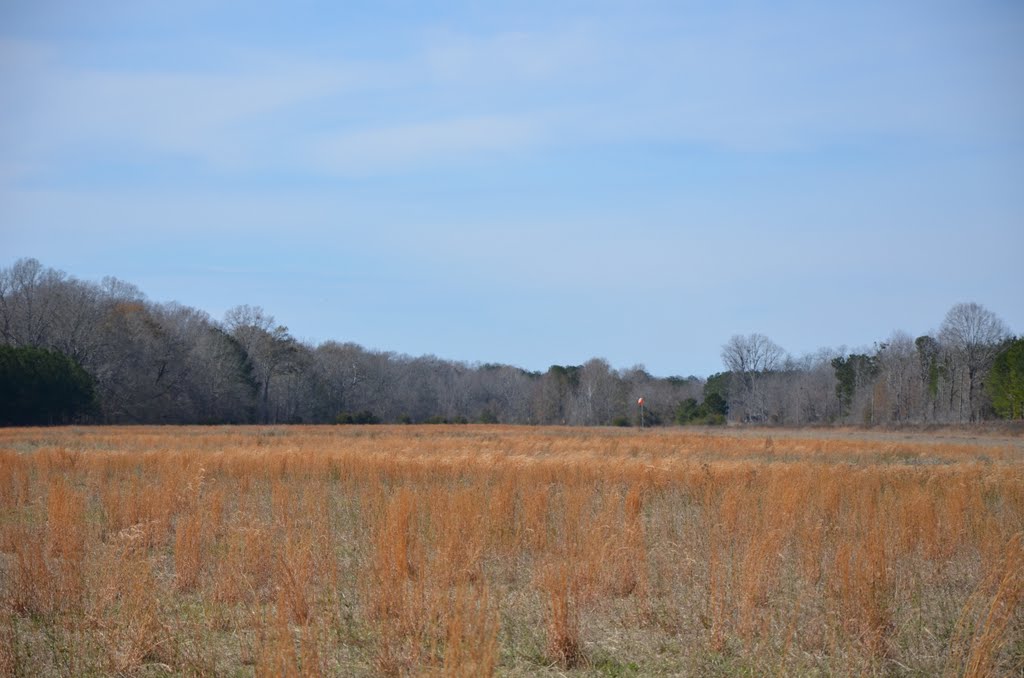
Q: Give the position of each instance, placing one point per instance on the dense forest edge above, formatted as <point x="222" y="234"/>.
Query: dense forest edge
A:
<point x="74" y="351"/>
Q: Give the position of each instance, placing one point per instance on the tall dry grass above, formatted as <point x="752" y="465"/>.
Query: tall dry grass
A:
<point x="476" y="550"/>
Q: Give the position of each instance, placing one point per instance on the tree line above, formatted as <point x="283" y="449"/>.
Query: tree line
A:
<point x="971" y="370"/>
<point x="82" y="351"/>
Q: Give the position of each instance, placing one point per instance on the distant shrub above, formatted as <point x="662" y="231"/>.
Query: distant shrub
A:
<point x="621" y="421"/>
<point x="438" y="419"/>
<point x="363" y="417"/>
<point x="711" y="412"/>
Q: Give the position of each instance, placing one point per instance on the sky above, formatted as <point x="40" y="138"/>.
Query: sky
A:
<point x="530" y="183"/>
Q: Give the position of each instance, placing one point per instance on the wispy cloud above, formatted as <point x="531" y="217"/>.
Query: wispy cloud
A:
<point x="512" y="58"/>
<point x="417" y="145"/>
<point x="211" y="116"/>
<point x="742" y="80"/>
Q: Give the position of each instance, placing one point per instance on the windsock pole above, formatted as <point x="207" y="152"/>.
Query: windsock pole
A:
<point x="640" y="402"/>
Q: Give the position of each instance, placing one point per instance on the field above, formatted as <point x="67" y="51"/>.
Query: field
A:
<point x="472" y="551"/>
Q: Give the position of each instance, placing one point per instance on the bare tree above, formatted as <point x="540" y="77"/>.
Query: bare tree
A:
<point x="973" y="334"/>
<point x="271" y="350"/>
<point x="931" y="374"/>
<point x="142" y="369"/>
<point x="499" y="393"/>
<point x="513" y="391"/>
<point x="752" y="353"/>
<point x="26" y="301"/>
<point x="749" y="358"/>
<point x="897" y="363"/>
<point x="342" y="371"/>
<point x="599" y="395"/>
<point x="222" y="385"/>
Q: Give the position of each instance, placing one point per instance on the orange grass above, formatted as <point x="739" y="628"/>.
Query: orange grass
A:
<point x="476" y="551"/>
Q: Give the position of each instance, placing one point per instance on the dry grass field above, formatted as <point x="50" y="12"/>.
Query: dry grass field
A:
<point x="513" y="551"/>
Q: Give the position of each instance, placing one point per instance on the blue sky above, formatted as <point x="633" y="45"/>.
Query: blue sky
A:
<point x="530" y="183"/>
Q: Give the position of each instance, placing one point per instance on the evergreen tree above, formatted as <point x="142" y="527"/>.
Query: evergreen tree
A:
<point x="39" y="387"/>
<point x="1006" y="381"/>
